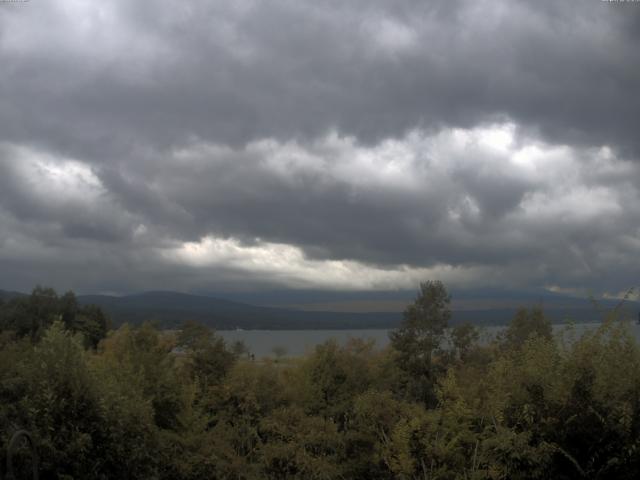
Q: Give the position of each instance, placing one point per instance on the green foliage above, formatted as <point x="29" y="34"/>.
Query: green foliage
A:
<point x="81" y="429"/>
<point x="207" y="358"/>
<point x="526" y="324"/>
<point x="333" y="377"/>
<point x="463" y="339"/>
<point x="142" y="357"/>
<point x="295" y="445"/>
<point x="30" y="316"/>
<point x="419" y="339"/>
<point x="147" y="404"/>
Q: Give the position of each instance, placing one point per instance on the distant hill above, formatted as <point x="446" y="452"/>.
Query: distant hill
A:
<point x="7" y="295"/>
<point x="170" y="309"/>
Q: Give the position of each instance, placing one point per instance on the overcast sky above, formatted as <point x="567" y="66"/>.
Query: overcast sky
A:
<point x="203" y="146"/>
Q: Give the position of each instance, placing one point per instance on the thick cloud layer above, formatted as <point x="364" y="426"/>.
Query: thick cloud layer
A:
<point x="319" y="144"/>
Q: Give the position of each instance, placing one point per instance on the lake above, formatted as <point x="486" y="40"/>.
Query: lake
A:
<point x="299" y="342"/>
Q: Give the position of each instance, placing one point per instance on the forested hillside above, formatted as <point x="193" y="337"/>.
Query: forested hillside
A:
<point x="170" y="309"/>
<point x="139" y="403"/>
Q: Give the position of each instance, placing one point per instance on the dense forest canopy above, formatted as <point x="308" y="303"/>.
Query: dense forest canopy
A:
<point x="32" y="315"/>
<point x="138" y="402"/>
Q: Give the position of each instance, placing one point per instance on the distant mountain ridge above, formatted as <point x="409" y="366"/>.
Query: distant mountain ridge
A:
<point x="170" y="309"/>
<point x="6" y="295"/>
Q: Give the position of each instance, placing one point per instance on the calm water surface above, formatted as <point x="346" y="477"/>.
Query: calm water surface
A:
<point x="298" y="342"/>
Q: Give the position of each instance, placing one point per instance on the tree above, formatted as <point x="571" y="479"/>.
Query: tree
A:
<point x="142" y="356"/>
<point x="209" y="359"/>
<point x="85" y="425"/>
<point x="333" y="376"/>
<point x="526" y="324"/>
<point x="92" y="323"/>
<point x="463" y="338"/>
<point x="29" y="316"/>
<point x="419" y="337"/>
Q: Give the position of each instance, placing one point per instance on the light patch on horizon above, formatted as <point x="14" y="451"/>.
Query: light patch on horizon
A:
<point x="289" y="265"/>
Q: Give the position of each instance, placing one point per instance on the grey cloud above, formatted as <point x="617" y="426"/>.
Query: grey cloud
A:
<point x="332" y="218"/>
<point x="283" y="69"/>
<point x="124" y="87"/>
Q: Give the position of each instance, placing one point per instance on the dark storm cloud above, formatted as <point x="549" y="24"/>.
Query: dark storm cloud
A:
<point x="101" y="80"/>
<point x="128" y="130"/>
